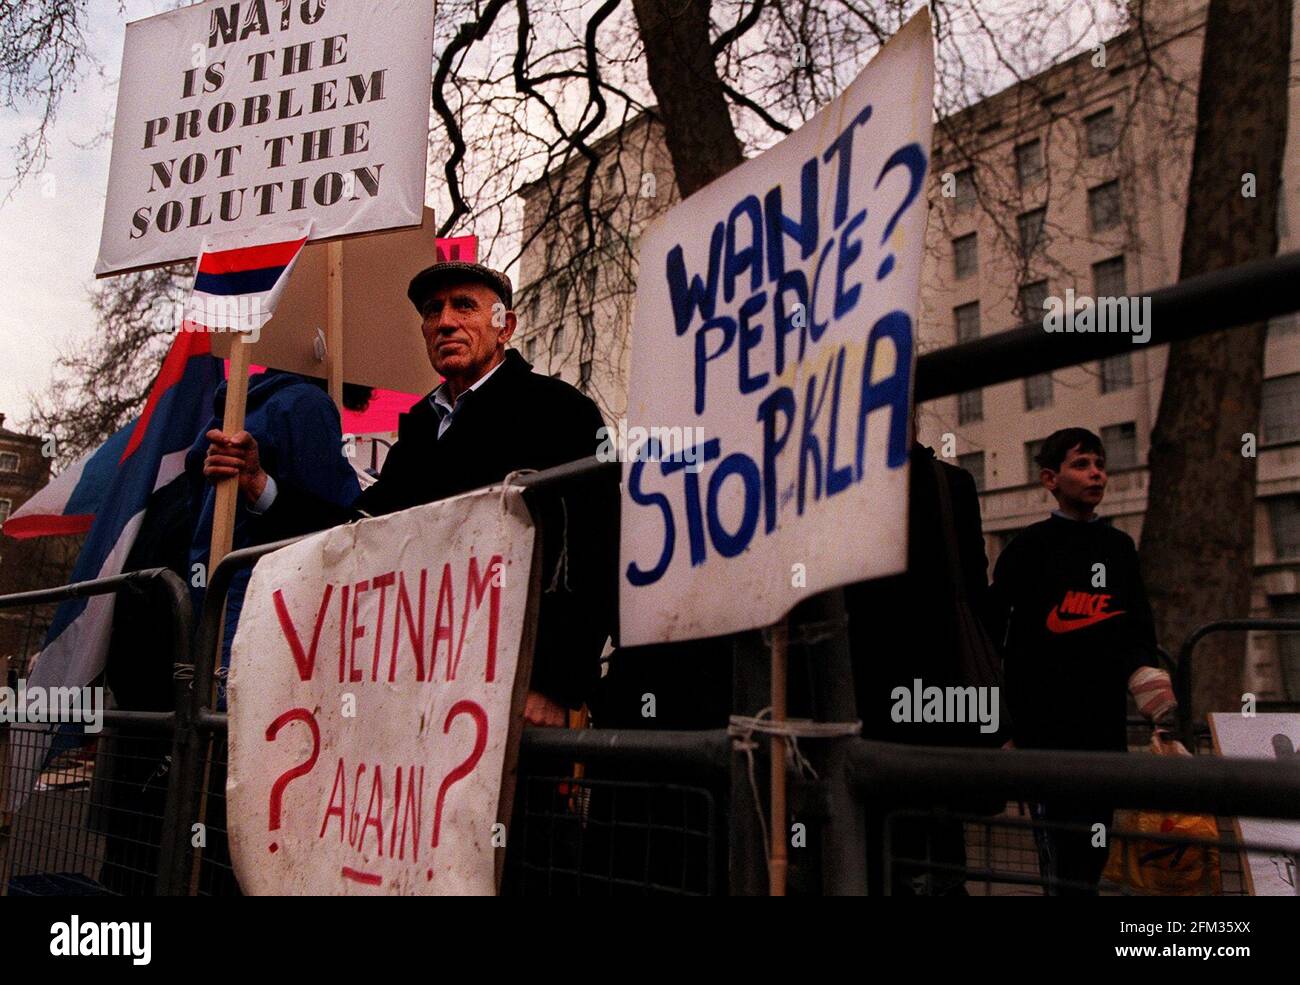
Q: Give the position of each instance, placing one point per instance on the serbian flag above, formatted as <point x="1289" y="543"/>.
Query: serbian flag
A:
<point x="151" y="456"/>
<point x="67" y="504"/>
<point x="240" y="277"/>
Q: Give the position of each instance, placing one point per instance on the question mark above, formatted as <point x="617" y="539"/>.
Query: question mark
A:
<point x="277" y="788"/>
<point x="913" y="158"/>
<point x="465" y="768"/>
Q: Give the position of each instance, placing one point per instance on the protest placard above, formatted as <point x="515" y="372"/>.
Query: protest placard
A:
<point x="372" y="683"/>
<point x="234" y="114"/>
<point x="766" y="444"/>
<point x="381" y="342"/>
<point x="1271" y="736"/>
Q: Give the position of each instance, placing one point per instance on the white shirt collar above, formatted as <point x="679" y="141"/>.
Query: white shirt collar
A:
<point x="440" y="399"/>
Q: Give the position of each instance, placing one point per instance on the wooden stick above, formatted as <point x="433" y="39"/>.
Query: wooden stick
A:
<point x="778" y="864"/>
<point x="334" y="321"/>
<point x="223" y="533"/>
<point x="232" y="421"/>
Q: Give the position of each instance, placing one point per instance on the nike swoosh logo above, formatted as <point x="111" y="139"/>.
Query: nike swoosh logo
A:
<point x="1058" y="625"/>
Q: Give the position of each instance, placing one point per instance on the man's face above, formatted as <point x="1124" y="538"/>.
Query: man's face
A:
<point x="1080" y="482"/>
<point x="465" y="330"/>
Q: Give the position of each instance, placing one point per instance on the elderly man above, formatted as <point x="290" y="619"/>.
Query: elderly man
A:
<point x="491" y="415"/>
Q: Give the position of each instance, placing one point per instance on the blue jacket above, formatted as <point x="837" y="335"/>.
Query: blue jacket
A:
<point x="299" y="438"/>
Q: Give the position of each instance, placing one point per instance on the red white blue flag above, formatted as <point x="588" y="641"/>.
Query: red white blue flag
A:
<point x="238" y="282"/>
<point x="151" y="456"/>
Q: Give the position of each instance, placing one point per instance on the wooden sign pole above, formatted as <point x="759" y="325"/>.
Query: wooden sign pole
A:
<point x="232" y="421"/>
<point x="334" y="321"/>
<point x="778" y="864"/>
<point x="223" y="533"/>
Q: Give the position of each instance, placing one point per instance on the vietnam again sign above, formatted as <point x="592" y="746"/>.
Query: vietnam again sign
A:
<point x="372" y="682"/>
<point x="772" y="353"/>
<point x="231" y="115"/>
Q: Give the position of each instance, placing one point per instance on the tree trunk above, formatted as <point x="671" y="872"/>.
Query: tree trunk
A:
<point x="684" y="76"/>
<point x="1198" y="541"/>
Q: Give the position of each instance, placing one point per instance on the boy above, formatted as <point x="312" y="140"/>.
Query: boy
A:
<point x="1069" y="605"/>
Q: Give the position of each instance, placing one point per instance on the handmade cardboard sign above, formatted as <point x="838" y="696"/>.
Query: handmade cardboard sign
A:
<point x="231" y="115"/>
<point x="375" y="682"/>
<point x="1272" y="736"/>
<point x="382" y="343"/>
<point x="766" y="446"/>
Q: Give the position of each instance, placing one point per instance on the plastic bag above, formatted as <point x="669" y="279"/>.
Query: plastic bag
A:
<point x="1155" y="868"/>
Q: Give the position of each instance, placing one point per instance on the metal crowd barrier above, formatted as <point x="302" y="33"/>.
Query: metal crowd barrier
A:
<point x="1196" y="734"/>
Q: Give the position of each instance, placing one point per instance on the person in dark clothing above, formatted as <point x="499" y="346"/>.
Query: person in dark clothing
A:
<point x="491" y="416"/>
<point x="132" y="767"/>
<point x="906" y="628"/>
<point x="299" y="437"/>
<point x="1069" y="603"/>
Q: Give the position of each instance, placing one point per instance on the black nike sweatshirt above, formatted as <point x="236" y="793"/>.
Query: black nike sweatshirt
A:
<point x="1070" y="608"/>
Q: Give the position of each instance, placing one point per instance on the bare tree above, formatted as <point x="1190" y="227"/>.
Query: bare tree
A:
<point x="1198" y="545"/>
<point x="102" y="381"/>
<point x="42" y="54"/>
<point x="536" y="95"/>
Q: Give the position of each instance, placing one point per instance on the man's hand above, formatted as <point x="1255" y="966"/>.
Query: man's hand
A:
<point x="232" y="456"/>
<point x="541" y="710"/>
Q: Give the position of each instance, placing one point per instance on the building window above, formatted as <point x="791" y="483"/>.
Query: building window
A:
<point x="1116" y="373"/>
<point x="8" y="461"/>
<point x="1288" y="644"/>
<point x="1104" y="207"/>
<point x="1284" y="521"/>
<point x="1038" y="391"/>
<point x="1102" y="133"/>
<point x="967" y="319"/>
<point x="1120" y="441"/>
<point x="965" y="256"/>
<point x="974" y="464"/>
<point x="1280" y="411"/>
<point x="6" y="507"/>
<point x="557" y="343"/>
<point x="1030" y="301"/>
<point x="1030" y="225"/>
<point x="1108" y="280"/>
<point x="964" y="197"/>
<point x="1029" y="163"/>
<point x="970" y="407"/>
<point x="1284" y="326"/>
<point x="530" y="348"/>
<point x="1032" y="448"/>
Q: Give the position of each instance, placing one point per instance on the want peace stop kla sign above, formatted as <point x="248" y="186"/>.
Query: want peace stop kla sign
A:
<point x="775" y="319"/>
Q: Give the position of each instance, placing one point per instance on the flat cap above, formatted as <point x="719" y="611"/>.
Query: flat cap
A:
<point x="447" y="272"/>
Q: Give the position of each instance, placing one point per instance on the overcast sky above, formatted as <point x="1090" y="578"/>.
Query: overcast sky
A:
<point x="49" y="230"/>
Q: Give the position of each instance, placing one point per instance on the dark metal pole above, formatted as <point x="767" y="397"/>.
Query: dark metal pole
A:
<point x="917" y="775"/>
<point x="822" y="623"/>
<point x="750" y="692"/>
<point x="1241" y="295"/>
<point x="1183" y="670"/>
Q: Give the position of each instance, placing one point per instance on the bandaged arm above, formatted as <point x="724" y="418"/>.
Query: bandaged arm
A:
<point x="1154" y="693"/>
